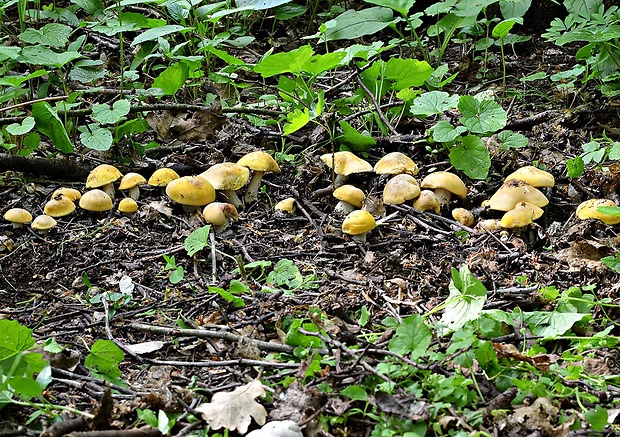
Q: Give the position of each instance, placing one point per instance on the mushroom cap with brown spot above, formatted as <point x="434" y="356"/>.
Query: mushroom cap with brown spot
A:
<point x="396" y="163"/>
<point x="131" y="180"/>
<point x="521" y="215"/>
<point x="59" y="206"/>
<point x="96" y="201"/>
<point x="350" y="194"/>
<point x="128" y="205"/>
<point x="287" y="205"/>
<point x="218" y="213"/>
<point x="358" y="222"/>
<point x="259" y="161"/>
<point x="514" y="191"/>
<point x="227" y="175"/>
<point x="345" y="163"/>
<point x="162" y="177"/>
<point x="400" y="188"/>
<point x="533" y="176"/>
<point x="427" y="201"/>
<point x="102" y="175"/>
<point x="18" y="216"/>
<point x="71" y="193"/>
<point x="191" y="191"/>
<point x="463" y="216"/>
<point x="589" y="210"/>
<point x="43" y="223"/>
<point x="446" y="180"/>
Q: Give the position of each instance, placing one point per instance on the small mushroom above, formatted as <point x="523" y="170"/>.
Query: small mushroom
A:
<point x="59" y="206"/>
<point x="220" y="214"/>
<point x="43" y="223"/>
<point x="96" y="201"/>
<point x="128" y="206"/>
<point x="18" y="216"/>
<point x="523" y="214"/>
<point x="427" y="201"/>
<point x="71" y="193"/>
<point x="190" y="192"/>
<point x="358" y="223"/>
<point x="445" y="184"/>
<point x="514" y="191"/>
<point x="162" y="177"/>
<point x="103" y="176"/>
<point x="589" y="210"/>
<point x="345" y="164"/>
<point x="286" y="205"/>
<point x="350" y="198"/>
<point x="399" y="189"/>
<point x="463" y="216"/>
<point x="131" y="182"/>
<point x="533" y="176"/>
<point x="228" y="177"/>
<point x="396" y="163"/>
<point x="487" y="225"/>
<point x="259" y="162"/>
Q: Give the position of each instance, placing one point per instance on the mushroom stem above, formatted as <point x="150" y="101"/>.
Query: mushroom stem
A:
<point x="252" y="191"/>
<point x="134" y="193"/>
<point x="109" y="190"/>
<point x="340" y="180"/>
<point x="189" y="208"/>
<point x="233" y="199"/>
<point x="360" y="237"/>
<point x="343" y="207"/>
<point x="443" y="196"/>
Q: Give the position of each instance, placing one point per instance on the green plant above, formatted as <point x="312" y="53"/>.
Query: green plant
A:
<point x="595" y="151"/>
<point x="103" y="360"/>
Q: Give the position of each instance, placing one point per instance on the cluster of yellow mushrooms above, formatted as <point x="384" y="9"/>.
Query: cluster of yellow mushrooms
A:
<point x="189" y="191"/>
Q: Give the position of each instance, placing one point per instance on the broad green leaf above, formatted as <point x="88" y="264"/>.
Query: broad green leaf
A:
<point x="9" y="53"/>
<point x="285" y="273"/>
<point x="353" y="24"/>
<point x="433" y="103"/>
<point x="148" y="416"/>
<point x="354" y="140"/>
<point x="98" y="138"/>
<point x="49" y="124"/>
<point x="21" y="128"/>
<point x="513" y="9"/>
<point x="296" y="120"/>
<point x="287" y="62"/>
<point x="466" y="299"/>
<point x="575" y="167"/>
<point x="597" y="418"/>
<point x="106" y="115"/>
<point x="41" y="55"/>
<point x="90" y="6"/>
<point x="471" y="8"/>
<point x="228" y="296"/>
<point x="481" y="117"/>
<point x="583" y="8"/>
<point x="259" y="5"/>
<point x="412" y="337"/>
<point x="14" y="338"/>
<point x="551" y="324"/>
<point x="400" y="6"/>
<point x="502" y="28"/>
<point x="104" y="358"/>
<point x="512" y="140"/>
<point x="318" y="64"/>
<point x="406" y="73"/>
<point x="157" y="32"/>
<point x="355" y="392"/>
<point x="172" y="78"/>
<point x="224" y="56"/>
<point x="289" y="11"/>
<point x="295" y="338"/>
<point x="614" y="151"/>
<point x="177" y="275"/>
<point x="197" y="240"/>
<point x="444" y="132"/>
<point x="238" y="287"/>
<point x="471" y="157"/>
<point x="17" y="80"/>
<point x="53" y="35"/>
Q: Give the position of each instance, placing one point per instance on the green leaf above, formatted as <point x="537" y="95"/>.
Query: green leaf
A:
<point x="318" y="64"/>
<point x="354" y="140"/>
<point x="98" y="138"/>
<point x="400" y="6"/>
<point x="228" y="296"/>
<point x="238" y="287"/>
<point x="575" y="167"/>
<point x="551" y="324"/>
<point x="471" y="157"/>
<point x="106" y="115"/>
<point x="172" y="78"/>
<point x="148" y="416"/>
<point x="21" y="128"/>
<point x="406" y="73"/>
<point x="411" y="337"/>
<point x="104" y="358"/>
<point x="259" y="5"/>
<point x="157" y="32"/>
<point x="14" y="338"/>
<point x="353" y="24"/>
<point x="177" y="275"/>
<point x="364" y="316"/>
<point x="514" y="9"/>
<point x="355" y="393"/>
<point x="503" y="28"/>
<point x="597" y="418"/>
<point x="296" y="120"/>
<point x="295" y="338"/>
<point x="512" y="140"/>
<point x="49" y="124"/>
<point x="466" y="299"/>
<point x="42" y="55"/>
<point x="53" y="35"/>
<point x="287" y="62"/>
<point x="285" y="274"/>
<point x="433" y="103"/>
<point x="482" y="117"/>
<point x="444" y="132"/>
<point x="197" y="240"/>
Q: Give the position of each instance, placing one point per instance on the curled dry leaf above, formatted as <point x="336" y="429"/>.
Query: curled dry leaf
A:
<point x="235" y="410"/>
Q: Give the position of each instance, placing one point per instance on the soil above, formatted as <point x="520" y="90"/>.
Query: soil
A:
<point x="404" y="267"/>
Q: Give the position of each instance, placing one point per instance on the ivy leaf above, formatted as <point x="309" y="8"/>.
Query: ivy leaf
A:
<point x="466" y="299"/>
<point x="21" y="128"/>
<point x="471" y="157"/>
<point x="406" y="73"/>
<point x="98" y="138"/>
<point x="575" y="167"/>
<point x="597" y="418"/>
<point x="318" y="64"/>
<point x="106" y="115"/>
<point x="104" y="358"/>
<point x="411" y="337"/>
<point x="481" y="117"/>
<point x="197" y="240"/>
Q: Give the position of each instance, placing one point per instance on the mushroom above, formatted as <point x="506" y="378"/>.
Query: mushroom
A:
<point x="131" y="182"/>
<point x="43" y="223"/>
<point x="399" y="189"/>
<point x="259" y="162"/>
<point x="396" y="163"/>
<point x="463" y="216"/>
<point x="219" y="214"/>
<point x="128" y="206"/>
<point x="427" y="201"/>
<point x="445" y="184"/>
<point x="190" y="192"/>
<point x="96" y="201"/>
<point x="71" y="193"/>
<point x="345" y="164"/>
<point x="59" y="206"/>
<point x="350" y="198"/>
<point x="358" y="223"/>
<point x="103" y="176"/>
<point x="18" y="216"/>
<point x="488" y="225"/>
<point x="228" y="177"/>
<point x="533" y="176"/>
<point x="523" y="214"/>
<point x="286" y="205"/>
<point x="589" y="210"/>
<point x="162" y="177"/>
<point x="514" y="191"/>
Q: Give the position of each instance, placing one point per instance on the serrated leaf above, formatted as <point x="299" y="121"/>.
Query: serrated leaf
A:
<point x="106" y="115"/>
<point x="471" y="157"/>
<point x="466" y="299"/>
<point x="49" y="124"/>
<point x="97" y="139"/>
<point x="14" y="338"/>
<point x="353" y="24"/>
<point x="433" y="103"/>
<point x="482" y="117"/>
<point x="197" y="240"/>
<point x="575" y="167"/>
<point x="285" y="273"/>
<point x="597" y="418"/>
<point x="412" y="337"/>
<point x="52" y="34"/>
<point x="104" y="358"/>
<point x="287" y="62"/>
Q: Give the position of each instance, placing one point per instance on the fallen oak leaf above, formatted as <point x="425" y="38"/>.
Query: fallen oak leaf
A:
<point x="235" y="410"/>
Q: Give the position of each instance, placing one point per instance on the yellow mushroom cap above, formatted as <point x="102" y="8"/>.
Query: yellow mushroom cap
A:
<point x="286" y="205"/>
<point x="589" y="210"/>
<point x="162" y="177"/>
<point x="102" y="175"/>
<point x="350" y="194"/>
<point x="533" y="176"/>
<point x="127" y="205"/>
<point x="43" y="223"/>
<point x="521" y="215"/>
<point x="71" y="193"/>
<point x="463" y="216"/>
<point x="427" y="201"/>
<point x="191" y="191"/>
<point x="399" y="189"/>
<point x="131" y="180"/>
<point x="396" y="163"/>
<point x="96" y="201"/>
<point x="59" y="206"/>
<point x="446" y="181"/>
<point x="259" y="161"/>
<point x="227" y="175"/>
<point x="18" y="216"/>
<point x="358" y="222"/>
<point x="218" y="213"/>
<point x="514" y="191"/>
<point x="345" y="163"/>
